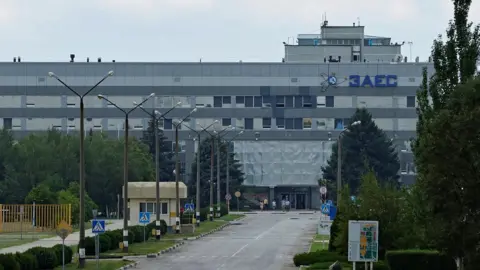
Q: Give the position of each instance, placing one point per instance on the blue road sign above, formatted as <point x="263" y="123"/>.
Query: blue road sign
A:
<point x="325" y="209"/>
<point x="353" y="198"/>
<point x="98" y="226"/>
<point x="189" y="207"/>
<point x="332" y="212"/>
<point x="329" y="202"/>
<point x="144" y="218"/>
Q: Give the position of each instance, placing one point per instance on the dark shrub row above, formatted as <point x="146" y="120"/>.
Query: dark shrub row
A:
<point x="205" y="212"/>
<point x="37" y="258"/>
<point x="419" y="260"/>
<point x="110" y="240"/>
<point x="322" y="259"/>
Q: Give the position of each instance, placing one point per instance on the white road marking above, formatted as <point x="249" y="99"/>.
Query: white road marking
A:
<point x="238" y="251"/>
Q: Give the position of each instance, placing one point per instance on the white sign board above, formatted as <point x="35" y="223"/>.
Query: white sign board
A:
<point x="323" y="190"/>
<point x="324" y="227"/>
<point x="363" y="241"/>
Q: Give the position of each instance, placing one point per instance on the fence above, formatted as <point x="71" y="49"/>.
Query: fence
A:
<point x="44" y="217"/>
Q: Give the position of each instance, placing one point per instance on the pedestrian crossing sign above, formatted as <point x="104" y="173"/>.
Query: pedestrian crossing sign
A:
<point x="325" y="209"/>
<point x="144" y="218"/>
<point x="98" y="226"/>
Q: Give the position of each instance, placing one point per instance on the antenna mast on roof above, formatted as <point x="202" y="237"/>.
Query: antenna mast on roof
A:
<point x="358" y="19"/>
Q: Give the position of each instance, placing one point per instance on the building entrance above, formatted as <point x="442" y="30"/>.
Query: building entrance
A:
<point x="300" y="200"/>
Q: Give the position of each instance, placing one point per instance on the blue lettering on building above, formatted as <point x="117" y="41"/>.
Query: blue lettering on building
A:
<point x="377" y="81"/>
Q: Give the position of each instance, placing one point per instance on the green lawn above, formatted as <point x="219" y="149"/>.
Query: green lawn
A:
<point x="91" y="265"/>
<point x="150" y="246"/>
<point x="16" y="239"/>
<point x="317" y="243"/>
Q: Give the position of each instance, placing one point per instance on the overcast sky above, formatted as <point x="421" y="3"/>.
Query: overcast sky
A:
<point x="214" y="30"/>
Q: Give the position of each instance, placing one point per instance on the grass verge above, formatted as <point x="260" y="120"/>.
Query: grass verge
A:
<point x="231" y="217"/>
<point x="148" y="247"/>
<point x="91" y="265"/>
<point x="17" y="239"/>
<point x="320" y="242"/>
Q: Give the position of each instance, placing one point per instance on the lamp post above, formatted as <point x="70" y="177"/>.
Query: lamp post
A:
<point x="125" y="166"/>
<point x="339" y="160"/>
<point x="199" y="133"/>
<point x="81" y="244"/>
<point x="155" y="115"/>
<point x="177" y="173"/>
<point x="219" y="199"/>
<point x="227" y="192"/>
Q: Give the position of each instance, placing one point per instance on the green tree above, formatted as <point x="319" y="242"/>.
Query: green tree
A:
<point x="236" y="173"/>
<point x="364" y="146"/>
<point x="41" y="194"/>
<point x="70" y="196"/>
<point x="447" y="127"/>
<point x="166" y="164"/>
<point x="384" y="204"/>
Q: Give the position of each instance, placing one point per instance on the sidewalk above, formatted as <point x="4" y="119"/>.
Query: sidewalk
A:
<point x="71" y="240"/>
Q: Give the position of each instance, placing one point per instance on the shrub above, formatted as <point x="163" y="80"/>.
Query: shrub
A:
<point x="105" y="242"/>
<point x="89" y="246"/>
<point x="8" y="261"/>
<point x="58" y="249"/>
<point x="309" y="258"/>
<point x="163" y="227"/>
<point x="116" y="237"/>
<point x="131" y="236"/>
<point x="26" y="261"/>
<point x="419" y="260"/>
<point x="46" y="257"/>
<point x="1" y="267"/>
<point x="334" y="230"/>
<point x="138" y="233"/>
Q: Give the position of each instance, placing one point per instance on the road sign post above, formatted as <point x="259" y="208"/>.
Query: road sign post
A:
<point x="63" y="230"/>
<point x="237" y="195"/>
<point x="98" y="227"/>
<point x="144" y="219"/>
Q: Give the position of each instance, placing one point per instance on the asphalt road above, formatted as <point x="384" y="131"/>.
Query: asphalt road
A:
<point x="263" y="241"/>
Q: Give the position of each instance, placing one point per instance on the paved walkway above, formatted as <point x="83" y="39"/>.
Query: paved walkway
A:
<point x="71" y="240"/>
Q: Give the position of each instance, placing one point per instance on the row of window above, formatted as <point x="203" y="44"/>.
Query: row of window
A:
<point x="244" y="123"/>
<point x="150" y="207"/>
<point x="304" y="101"/>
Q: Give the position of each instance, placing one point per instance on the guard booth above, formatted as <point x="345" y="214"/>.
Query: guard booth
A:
<point x="142" y="198"/>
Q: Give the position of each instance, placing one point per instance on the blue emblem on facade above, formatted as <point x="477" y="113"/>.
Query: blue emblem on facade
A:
<point x="330" y="81"/>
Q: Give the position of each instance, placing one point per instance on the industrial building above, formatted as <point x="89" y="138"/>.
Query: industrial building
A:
<point x="291" y="110"/>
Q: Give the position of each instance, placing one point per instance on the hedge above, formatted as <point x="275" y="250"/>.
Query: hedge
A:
<point x="419" y="260"/>
<point x="46" y="257"/>
<point x="163" y="227"/>
<point x="8" y="261"/>
<point x="205" y="212"/>
<point x="309" y="258"/>
<point x="59" y="252"/>
<point x="27" y="261"/>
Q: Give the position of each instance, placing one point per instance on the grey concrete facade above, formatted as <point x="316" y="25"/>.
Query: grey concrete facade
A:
<point x="285" y="93"/>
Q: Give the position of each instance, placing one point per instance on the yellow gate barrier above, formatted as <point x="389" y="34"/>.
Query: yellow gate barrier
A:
<point x="45" y="217"/>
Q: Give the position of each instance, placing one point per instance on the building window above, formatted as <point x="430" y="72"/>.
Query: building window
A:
<point x="248" y="102"/>
<point x="307" y="101"/>
<point x="339" y="124"/>
<point x="240" y="100"/>
<point x="226" y="122"/>
<point x="227" y="100"/>
<point x="150" y="207"/>
<point x="281" y="123"/>
<point x="280" y="102"/>
<point x="267" y="122"/>
<point x="329" y="101"/>
<point x="411" y="101"/>
<point x="257" y="102"/>
<point x="7" y="123"/>
<point x="217" y="102"/>
<point x="248" y="123"/>
<point x="307" y="123"/>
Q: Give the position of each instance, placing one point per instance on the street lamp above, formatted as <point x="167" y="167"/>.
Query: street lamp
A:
<point x="81" y="244"/>
<point x="339" y="159"/>
<point x="125" y="166"/>
<point x="177" y="173"/>
<point x="199" y="133"/>
<point x="155" y="116"/>
<point x="228" y="169"/>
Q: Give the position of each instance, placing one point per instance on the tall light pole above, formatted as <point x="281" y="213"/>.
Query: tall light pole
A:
<point x="156" y="115"/>
<point x="339" y="160"/>
<point x="219" y="136"/>
<point x="125" y="166"/>
<point x="81" y="244"/>
<point x="177" y="173"/>
<point x="199" y="133"/>
<point x="227" y="189"/>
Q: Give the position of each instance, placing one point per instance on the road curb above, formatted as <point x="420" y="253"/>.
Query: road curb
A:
<point x="170" y="249"/>
<point x="214" y="230"/>
<point x="128" y="266"/>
